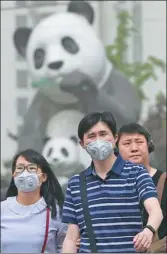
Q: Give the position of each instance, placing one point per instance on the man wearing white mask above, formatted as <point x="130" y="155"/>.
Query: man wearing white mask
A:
<point x="102" y="205"/>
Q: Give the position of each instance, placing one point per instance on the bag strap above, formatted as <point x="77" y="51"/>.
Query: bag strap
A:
<point x="160" y="188"/>
<point x="46" y="230"/>
<point x="160" y="185"/>
<point x="87" y="217"/>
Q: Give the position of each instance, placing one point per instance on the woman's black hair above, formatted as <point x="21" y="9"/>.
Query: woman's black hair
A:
<point x="51" y="190"/>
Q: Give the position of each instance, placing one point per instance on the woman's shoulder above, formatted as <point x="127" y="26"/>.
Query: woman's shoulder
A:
<point x="5" y="203"/>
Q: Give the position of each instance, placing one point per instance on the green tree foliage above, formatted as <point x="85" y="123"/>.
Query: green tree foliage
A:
<point x="137" y="72"/>
<point x="156" y="124"/>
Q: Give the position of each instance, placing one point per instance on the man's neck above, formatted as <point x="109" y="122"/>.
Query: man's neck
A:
<point x="150" y="169"/>
<point x="103" y="167"/>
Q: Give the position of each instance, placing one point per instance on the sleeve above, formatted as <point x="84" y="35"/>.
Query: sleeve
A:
<point x="60" y="237"/>
<point x="145" y="186"/>
<point x="69" y="213"/>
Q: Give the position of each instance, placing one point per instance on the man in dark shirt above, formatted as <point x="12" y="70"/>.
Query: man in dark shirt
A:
<point x="135" y="144"/>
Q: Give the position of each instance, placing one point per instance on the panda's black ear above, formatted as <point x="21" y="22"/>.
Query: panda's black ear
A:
<point x="45" y="140"/>
<point x="20" y="39"/>
<point x="74" y="139"/>
<point x="83" y="8"/>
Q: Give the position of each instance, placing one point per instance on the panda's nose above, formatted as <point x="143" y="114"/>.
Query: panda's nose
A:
<point x="55" y="160"/>
<point x="55" y="65"/>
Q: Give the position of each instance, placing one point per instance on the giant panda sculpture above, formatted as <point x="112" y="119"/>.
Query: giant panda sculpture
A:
<point x="69" y="67"/>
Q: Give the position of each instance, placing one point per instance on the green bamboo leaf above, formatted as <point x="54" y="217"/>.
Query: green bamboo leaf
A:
<point x="142" y="79"/>
<point x="164" y="124"/>
<point x="146" y="67"/>
<point x="141" y="95"/>
<point x="157" y="62"/>
<point x="110" y="48"/>
<point x="154" y="76"/>
<point x="160" y="98"/>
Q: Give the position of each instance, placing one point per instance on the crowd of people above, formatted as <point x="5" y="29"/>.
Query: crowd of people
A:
<point x="116" y="205"/>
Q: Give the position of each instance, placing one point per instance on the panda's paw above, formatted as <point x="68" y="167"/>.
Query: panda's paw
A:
<point x="74" y="78"/>
<point x="79" y="84"/>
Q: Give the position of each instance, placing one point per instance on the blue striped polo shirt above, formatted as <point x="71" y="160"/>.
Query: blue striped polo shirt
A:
<point x="114" y="206"/>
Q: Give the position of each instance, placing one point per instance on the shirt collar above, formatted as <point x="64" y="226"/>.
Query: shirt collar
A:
<point x="116" y="168"/>
<point x="17" y="208"/>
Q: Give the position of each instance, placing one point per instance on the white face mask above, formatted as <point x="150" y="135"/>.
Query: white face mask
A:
<point x="27" y="182"/>
<point x="100" y="149"/>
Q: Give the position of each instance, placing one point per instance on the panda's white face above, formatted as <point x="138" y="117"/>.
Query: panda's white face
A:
<point x="62" y="154"/>
<point x="65" y="124"/>
<point x="61" y="44"/>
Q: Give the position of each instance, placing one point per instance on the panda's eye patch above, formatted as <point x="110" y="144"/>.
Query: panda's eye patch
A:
<point x="39" y="56"/>
<point x="74" y="139"/>
<point x="49" y="152"/>
<point x="70" y="45"/>
<point x="64" y="152"/>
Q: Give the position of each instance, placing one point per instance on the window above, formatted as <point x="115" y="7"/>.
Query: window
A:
<point x="22" y="78"/>
<point x="21" y="3"/>
<point x="22" y="103"/>
<point x="43" y="3"/>
<point x="21" y="21"/>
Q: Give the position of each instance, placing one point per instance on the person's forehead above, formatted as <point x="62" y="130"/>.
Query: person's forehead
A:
<point x="22" y="161"/>
<point x="131" y="136"/>
<point x="100" y="126"/>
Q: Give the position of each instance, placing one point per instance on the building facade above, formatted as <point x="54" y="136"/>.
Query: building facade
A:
<point x="149" y="18"/>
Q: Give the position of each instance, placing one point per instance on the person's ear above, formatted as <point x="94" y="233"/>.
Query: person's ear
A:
<point x="13" y="174"/>
<point x="116" y="139"/>
<point x="44" y="177"/>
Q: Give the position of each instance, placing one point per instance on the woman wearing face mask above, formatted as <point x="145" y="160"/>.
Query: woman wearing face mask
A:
<point x="31" y="213"/>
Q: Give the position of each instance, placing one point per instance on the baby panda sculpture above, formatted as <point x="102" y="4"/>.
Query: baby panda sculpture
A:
<point x="63" y="156"/>
<point x="64" y="124"/>
<point x="70" y="69"/>
<point x="62" y="149"/>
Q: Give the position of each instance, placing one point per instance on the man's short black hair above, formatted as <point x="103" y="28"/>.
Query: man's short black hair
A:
<point x="93" y="118"/>
<point x="133" y="128"/>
